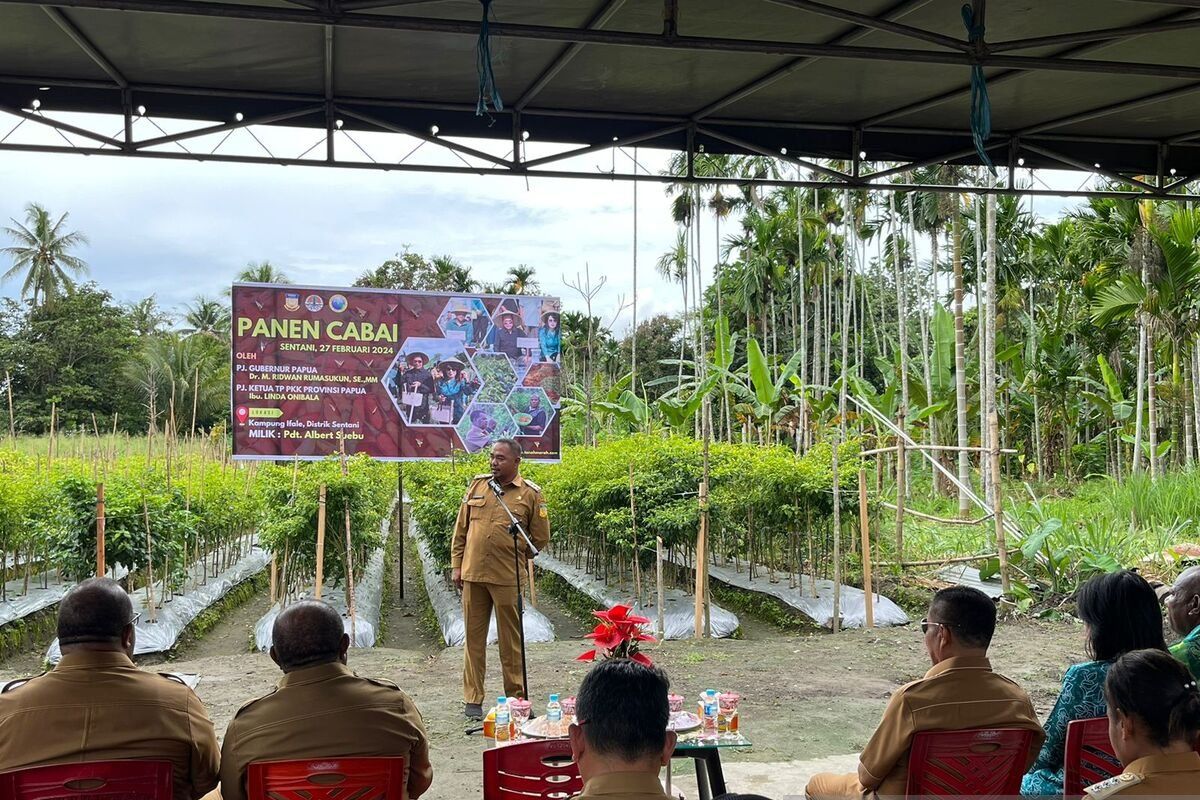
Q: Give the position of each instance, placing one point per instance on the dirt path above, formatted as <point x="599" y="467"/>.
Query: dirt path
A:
<point x="806" y="696"/>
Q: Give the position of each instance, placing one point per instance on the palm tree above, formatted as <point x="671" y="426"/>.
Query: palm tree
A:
<point x="191" y="371"/>
<point x="43" y="253"/>
<point x="262" y="272"/>
<point x="206" y="316"/>
<point x="447" y="275"/>
<point x="520" y="280"/>
<point x="147" y="317"/>
<point x="1164" y="297"/>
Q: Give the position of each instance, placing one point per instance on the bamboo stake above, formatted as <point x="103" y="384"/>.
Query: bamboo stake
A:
<point x="931" y="518"/>
<point x="50" y="451"/>
<point x="901" y="482"/>
<point x="100" y="567"/>
<point x="701" y="560"/>
<point x="195" y="399"/>
<point x="12" y="420"/>
<point x="658" y="578"/>
<point x="864" y="530"/>
<point x="320" y="542"/>
<point x="149" y="562"/>
<point x="349" y="575"/>
<point x="637" y="571"/>
<point x="531" y="583"/>
<point x="274" y="580"/>
<point x="1001" y="550"/>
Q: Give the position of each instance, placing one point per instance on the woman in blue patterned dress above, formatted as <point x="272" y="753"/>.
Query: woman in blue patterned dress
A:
<point x="1120" y="613"/>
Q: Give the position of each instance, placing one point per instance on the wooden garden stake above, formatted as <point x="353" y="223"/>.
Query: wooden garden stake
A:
<point x="864" y="530"/>
<point x="901" y="482"/>
<point x="637" y="571"/>
<point x="349" y="573"/>
<point x="100" y="570"/>
<point x="997" y="499"/>
<point x="149" y="562"/>
<point x="50" y="451"/>
<point x="532" y="583"/>
<point x="12" y="420"/>
<point x="283" y="578"/>
<point x="658" y="578"/>
<point x="274" y="582"/>
<point x="195" y="399"/>
<point x="701" y="560"/>
<point x="837" y="539"/>
<point x="320" y="542"/>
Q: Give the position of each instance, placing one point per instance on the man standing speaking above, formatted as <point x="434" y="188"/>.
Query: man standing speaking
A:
<point x="484" y="567"/>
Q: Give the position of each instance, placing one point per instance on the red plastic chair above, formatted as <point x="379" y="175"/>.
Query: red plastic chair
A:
<point x="374" y="778"/>
<point x="1088" y="757"/>
<point x="538" y="769"/>
<point x="95" y="780"/>
<point x="979" y="762"/>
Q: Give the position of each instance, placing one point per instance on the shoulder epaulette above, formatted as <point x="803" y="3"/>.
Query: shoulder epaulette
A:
<point x="381" y="682"/>
<point x="249" y="703"/>
<point x="169" y="676"/>
<point x="1114" y="785"/>
<point x="482" y="476"/>
<point x="533" y="485"/>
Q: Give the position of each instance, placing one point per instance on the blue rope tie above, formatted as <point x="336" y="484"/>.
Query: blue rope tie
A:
<point x="981" y="105"/>
<point x="489" y="95"/>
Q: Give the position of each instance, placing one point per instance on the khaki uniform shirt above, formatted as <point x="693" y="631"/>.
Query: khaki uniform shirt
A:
<point x="98" y="706"/>
<point x="326" y="711"/>
<point x="624" y="786"/>
<point x="1174" y="775"/>
<point x="958" y="693"/>
<point x="483" y="546"/>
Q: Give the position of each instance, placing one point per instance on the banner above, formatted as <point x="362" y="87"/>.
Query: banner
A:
<point x="398" y="375"/>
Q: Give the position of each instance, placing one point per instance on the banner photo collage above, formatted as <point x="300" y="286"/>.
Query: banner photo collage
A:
<point x="398" y="375"/>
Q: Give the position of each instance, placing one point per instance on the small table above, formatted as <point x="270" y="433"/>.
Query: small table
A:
<point x="706" y="753"/>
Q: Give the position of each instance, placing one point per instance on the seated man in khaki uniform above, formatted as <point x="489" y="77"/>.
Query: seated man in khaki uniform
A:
<point x="97" y="706"/>
<point x="321" y="709"/>
<point x="960" y="692"/>
<point x="620" y="741"/>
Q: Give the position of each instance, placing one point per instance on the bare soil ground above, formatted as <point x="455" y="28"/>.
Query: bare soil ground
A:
<point x="806" y="696"/>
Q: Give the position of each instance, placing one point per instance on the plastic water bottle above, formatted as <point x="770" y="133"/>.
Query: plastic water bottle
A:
<point x="709" y="723"/>
<point x="503" y="722"/>
<point x="553" y="711"/>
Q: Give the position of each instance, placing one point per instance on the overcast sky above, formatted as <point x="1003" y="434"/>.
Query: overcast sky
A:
<point x="177" y="229"/>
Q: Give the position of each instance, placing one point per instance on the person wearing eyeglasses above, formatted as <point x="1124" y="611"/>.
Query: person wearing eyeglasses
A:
<point x="95" y="705"/>
<point x="1182" y="602"/>
<point x="620" y="740"/>
<point x="961" y="691"/>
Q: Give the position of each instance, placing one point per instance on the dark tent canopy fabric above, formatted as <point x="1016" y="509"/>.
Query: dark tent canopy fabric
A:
<point x="1072" y="83"/>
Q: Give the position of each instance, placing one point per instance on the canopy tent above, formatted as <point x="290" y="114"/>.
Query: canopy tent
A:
<point x="880" y="86"/>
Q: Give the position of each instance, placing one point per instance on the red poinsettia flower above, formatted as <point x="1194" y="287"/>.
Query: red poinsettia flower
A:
<point x="606" y="637"/>
<point x="617" y="635"/>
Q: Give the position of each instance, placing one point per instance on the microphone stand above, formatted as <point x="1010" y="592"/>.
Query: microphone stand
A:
<point x="515" y="527"/>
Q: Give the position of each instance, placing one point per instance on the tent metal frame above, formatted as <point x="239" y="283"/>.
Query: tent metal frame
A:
<point x="332" y="15"/>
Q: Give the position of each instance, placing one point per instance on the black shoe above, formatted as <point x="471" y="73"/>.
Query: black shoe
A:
<point x="473" y="711"/>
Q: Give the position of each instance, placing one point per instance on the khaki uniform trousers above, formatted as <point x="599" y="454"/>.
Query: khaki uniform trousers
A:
<point x="827" y="786"/>
<point x="478" y="602"/>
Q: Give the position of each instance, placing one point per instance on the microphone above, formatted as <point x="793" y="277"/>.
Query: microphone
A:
<point x="494" y="485"/>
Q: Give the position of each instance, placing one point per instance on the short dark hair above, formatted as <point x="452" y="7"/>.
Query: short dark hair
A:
<point x="95" y="610"/>
<point x="513" y="446"/>
<point x="968" y="612"/>
<point x="1122" y="614"/>
<point x="307" y="633"/>
<point x="1157" y="689"/>
<point x="624" y="710"/>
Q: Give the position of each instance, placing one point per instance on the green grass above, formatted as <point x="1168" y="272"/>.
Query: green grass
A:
<point x="762" y="606"/>
<point x="33" y="630"/>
